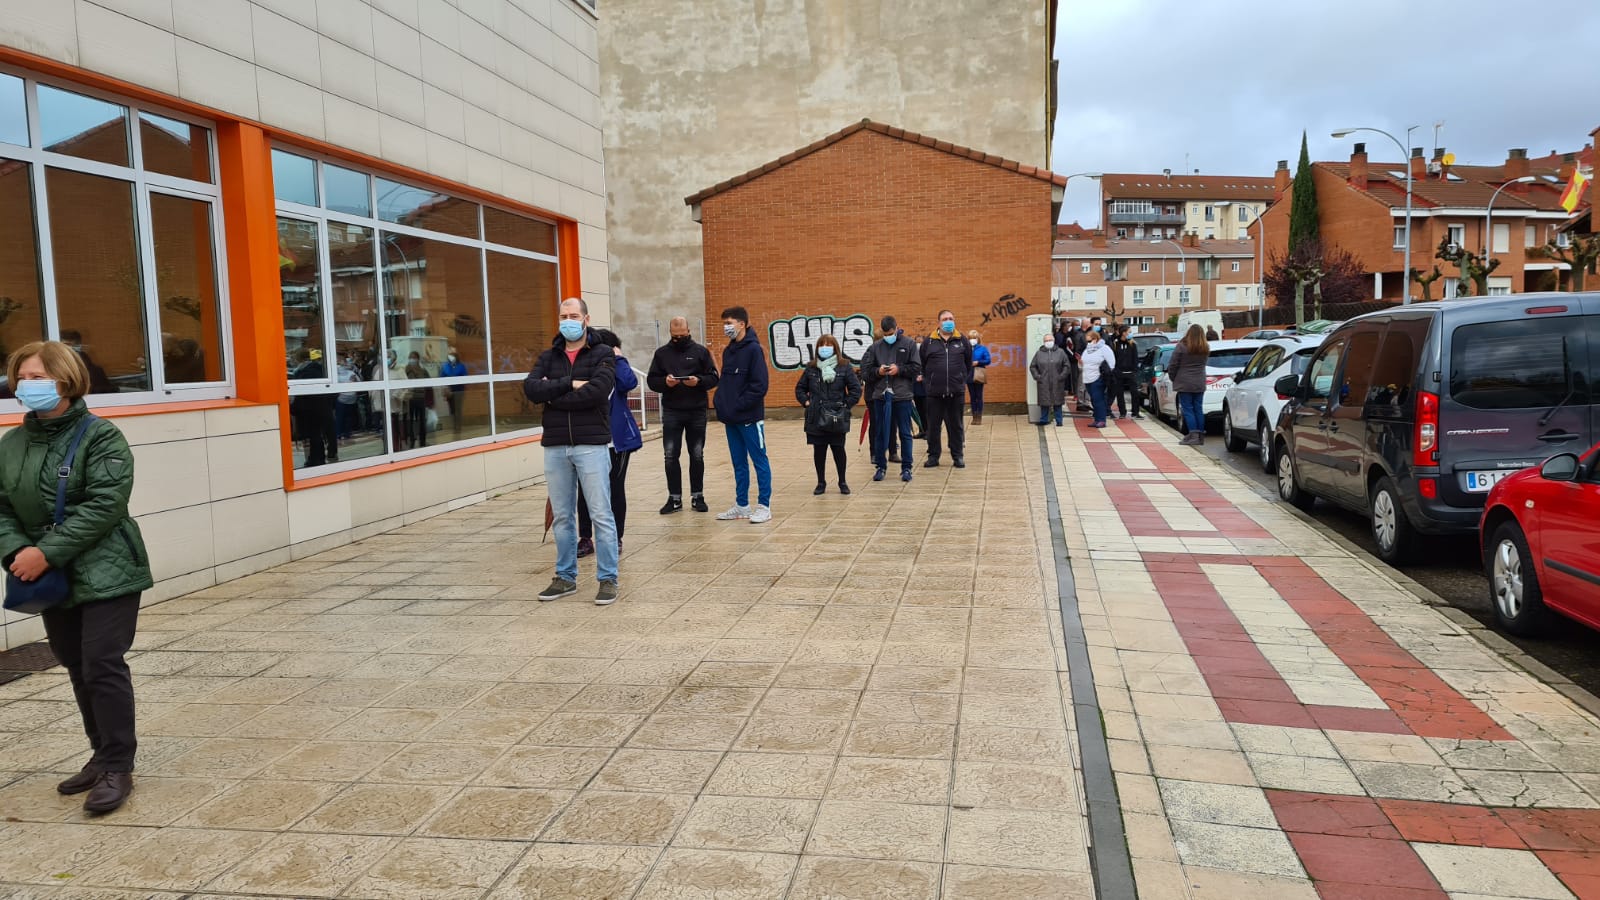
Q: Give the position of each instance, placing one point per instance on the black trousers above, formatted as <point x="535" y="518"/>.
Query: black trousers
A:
<point x="921" y="402"/>
<point x="680" y="426"/>
<point x="90" y="640"/>
<point x="1126" y="383"/>
<point x="619" y="497"/>
<point x="948" y="411"/>
<point x="819" y="455"/>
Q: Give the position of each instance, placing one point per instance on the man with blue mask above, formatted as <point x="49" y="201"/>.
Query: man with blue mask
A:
<point x="889" y="370"/>
<point x="946" y="360"/>
<point x="573" y="380"/>
<point x="741" y="404"/>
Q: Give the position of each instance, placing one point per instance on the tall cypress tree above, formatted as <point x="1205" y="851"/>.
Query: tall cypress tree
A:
<point x="1303" y="210"/>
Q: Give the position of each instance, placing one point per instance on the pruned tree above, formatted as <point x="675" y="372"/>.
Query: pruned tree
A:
<point x="1474" y="270"/>
<point x="1332" y="274"/>
<point x="1581" y="255"/>
<point x="1426" y="281"/>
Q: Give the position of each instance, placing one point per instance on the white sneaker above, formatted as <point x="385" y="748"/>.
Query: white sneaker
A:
<point x="761" y="514"/>
<point x="735" y="512"/>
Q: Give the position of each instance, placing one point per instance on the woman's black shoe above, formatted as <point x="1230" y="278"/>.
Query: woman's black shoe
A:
<point x="844" y="488"/>
<point x="822" y="488"/>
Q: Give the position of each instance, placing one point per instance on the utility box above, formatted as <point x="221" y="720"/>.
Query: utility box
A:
<point x="1039" y="326"/>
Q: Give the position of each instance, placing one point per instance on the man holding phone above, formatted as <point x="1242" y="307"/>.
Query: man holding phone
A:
<point x="683" y="374"/>
<point x="889" y="369"/>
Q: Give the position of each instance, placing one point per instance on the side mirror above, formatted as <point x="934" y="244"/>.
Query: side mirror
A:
<point x="1287" y="386"/>
<point x="1238" y="376"/>
<point x="1561" y="467"/>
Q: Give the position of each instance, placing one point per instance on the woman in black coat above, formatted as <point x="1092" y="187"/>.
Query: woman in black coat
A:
<point x="827" y="389"/>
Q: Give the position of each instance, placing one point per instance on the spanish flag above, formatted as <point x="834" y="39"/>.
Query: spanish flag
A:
<point x="1574" y="191"/>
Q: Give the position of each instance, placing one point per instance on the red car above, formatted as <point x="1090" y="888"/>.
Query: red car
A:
<point x="1540" y="534"/>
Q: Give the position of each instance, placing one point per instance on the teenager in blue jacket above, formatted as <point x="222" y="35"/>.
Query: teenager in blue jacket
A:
<point x="741" y="408"/>
<point x="625" y="439"/>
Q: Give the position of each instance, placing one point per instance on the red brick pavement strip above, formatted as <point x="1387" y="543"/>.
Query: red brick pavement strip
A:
<point x="1357" y="847"/>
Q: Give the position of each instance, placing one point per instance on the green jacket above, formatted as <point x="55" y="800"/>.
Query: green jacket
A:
<point x="99" y="544"/>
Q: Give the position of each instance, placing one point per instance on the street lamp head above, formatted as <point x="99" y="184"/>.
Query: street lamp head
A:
<point x="1524" y="179"/>
<point x="1344" y="132"/>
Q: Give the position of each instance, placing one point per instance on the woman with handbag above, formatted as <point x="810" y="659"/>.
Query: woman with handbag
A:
<point x="827" y="389"/>
<point x="73" y="554"/>
<point x="981" y="360"/>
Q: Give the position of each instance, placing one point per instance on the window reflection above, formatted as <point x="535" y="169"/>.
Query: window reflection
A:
<point x="501" y="227"/>
<point x="13" y="111"/>
<point x="513" y="411"/>
<point x="355" y="302"/>
<point x="299" y="273"/>
<point x="417" y="207"/>
<point x="423" y="417"/>
<point x="175" y="148"/>
<point x="21" y="294"/>
<point x="84" y="127"/>
<point x="522" y="306"/>
<point x="294" y="178"/>
<point x="98" y="279"/>
<point x="339" y="426"/>
<point x="186" y="289"/>
<point x="433" y="301"/>
<point x="347" y="191"/>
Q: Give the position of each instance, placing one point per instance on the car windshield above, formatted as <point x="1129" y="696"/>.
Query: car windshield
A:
<point x="1232" y="358"/>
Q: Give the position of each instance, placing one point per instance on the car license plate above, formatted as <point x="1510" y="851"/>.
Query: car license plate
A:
<point x="1481" y="482"/>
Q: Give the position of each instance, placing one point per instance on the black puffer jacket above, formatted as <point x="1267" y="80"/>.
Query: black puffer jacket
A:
<point x="574" y="417"/>
<point x="946" y="364"/>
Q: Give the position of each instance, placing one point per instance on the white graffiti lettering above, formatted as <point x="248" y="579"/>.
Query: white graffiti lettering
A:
<point x="793" y="341"/>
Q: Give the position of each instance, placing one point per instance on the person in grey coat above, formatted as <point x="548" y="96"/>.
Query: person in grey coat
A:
<point x="1049" y="369"/>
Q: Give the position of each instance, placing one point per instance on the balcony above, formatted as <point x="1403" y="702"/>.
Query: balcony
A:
<point x="1144" y="218"/>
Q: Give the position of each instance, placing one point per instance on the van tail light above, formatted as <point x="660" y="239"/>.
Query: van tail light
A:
<point x="1429" y="488"/>
<point x="1425" y="443"/>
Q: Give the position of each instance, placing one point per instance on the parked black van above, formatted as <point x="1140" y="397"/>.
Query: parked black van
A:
<point x="1410" y="415"/>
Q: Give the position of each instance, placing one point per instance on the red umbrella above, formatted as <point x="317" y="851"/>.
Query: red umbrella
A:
<point x="549" y="519"/>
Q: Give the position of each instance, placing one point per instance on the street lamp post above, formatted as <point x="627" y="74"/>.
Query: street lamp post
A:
<point x="1183" y="274"/>
<point x="1261" y="275"/>
<point x="1405" y="160"/>
<point x="1488" y="215"/>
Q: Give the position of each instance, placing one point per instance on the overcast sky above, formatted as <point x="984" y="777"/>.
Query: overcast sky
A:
<point x="1232" y="83"/>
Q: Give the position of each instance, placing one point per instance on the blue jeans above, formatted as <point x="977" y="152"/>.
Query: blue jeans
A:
<point x="1045" y="412"/>
<point x="1192" y="409"/>
<point x="564" y="469"/>
<point x="894" y="417"/>
<point x="749" y="442"/>
<point x="1097" y="398"/>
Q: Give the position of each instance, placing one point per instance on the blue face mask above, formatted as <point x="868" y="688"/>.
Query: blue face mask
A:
<point x="38" y="395"/>
<point x="571" y="329"/>
<point x="890" y="338"/>
<point x="825" y="352"/>
<point x="948" y="327"/>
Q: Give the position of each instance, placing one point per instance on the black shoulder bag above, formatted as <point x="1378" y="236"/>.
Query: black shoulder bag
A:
<point x="53" y="587"/>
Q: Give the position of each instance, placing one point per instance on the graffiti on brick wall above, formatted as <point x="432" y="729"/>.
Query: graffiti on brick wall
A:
<point x="792" y="342"/>
<point x="1004" y="308"/>
<point x="1008" y="356"/>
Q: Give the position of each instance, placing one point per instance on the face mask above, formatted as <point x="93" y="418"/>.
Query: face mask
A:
<point x="947" y="327"/>
<point x="571" y="329"/>
<point x="825" y="352"/>
<point x="732" y="331"/>
<point x="890" y="339"/>
<point x="973" y="342"/>
<point x="1097" y="329"/>
<point x="38" y="395"/>
<point x="682" y="341"/>
<point x="452" y="357"/>
<point x="414" y="361"/>
<point x="1049" y="345"/>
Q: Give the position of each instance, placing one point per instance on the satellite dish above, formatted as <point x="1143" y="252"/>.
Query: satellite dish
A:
<point x="1449" y="159"/>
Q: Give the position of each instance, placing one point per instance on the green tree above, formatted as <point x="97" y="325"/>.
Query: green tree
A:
<point x="1303" y="227"/>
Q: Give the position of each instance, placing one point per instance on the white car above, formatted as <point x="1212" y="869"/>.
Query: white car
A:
<point x="1250" y="409"/>
<point x="1227" y="358"/>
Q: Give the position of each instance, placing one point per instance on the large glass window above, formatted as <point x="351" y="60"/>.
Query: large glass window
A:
<point x="113" y="240"/>
<point x="436" y="307"/>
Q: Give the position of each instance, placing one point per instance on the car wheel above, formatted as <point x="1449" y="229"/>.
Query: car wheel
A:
<point x="1513" y="584"/>
<point x="1289" y="488"/>
<point x="1390" y="528"/>
<point x="1234" y="442"/>
<point x="1264" y="434"/>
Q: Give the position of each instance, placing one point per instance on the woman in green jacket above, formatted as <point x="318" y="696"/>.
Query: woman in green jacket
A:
<point x="98" y="545"/>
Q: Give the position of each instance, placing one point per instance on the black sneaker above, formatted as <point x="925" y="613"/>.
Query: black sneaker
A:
<point x="931" y="464"/>
<point x="698" y="504"/>
<point x="559" y="587"/>
<point x="905" y="474"/>
<point x="672" y="505"/>
<point x="878" y="475"/>
<point x="585" y="547"/>
<point x="607" y="594"/>
<point x="844" y="488"/>
<point x="822" y="488"/>
<point x="960" y="464"/>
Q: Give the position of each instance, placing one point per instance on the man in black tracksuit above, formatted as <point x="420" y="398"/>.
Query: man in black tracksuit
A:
<point x="683" y="374"/>
<point x="946" y="361"/>
<point x="1127" y="374"/>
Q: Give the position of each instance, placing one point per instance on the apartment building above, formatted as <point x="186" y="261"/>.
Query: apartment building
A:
<point x="248" y="215"/>
<point x="1212" y="207"/>
<point x="1362" y="206"/>
<point x="1147" y="281"/>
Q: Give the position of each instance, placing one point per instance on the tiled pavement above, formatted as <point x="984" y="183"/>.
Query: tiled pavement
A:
<point x="865" y="698"/>
<point x="862" y="698"/>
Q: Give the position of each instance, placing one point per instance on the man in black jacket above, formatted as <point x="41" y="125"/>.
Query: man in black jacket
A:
<point x="889" y="370"/>
<point x="573" y="379"/>
<point x="1127" y="375"/>
<point x="683" y="374"/>
<point x="946" y="360"/>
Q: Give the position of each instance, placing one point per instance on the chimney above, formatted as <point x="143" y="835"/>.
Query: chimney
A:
<point x="1191" y="239"/>
<point x="1358" y="167"/>
<point x="1419" y="166"/>
<point x="1280" y="178"/>
<point x="1516" y="163"/>
<point x="1098" y="239"/>
<point x="1569" y="163"/>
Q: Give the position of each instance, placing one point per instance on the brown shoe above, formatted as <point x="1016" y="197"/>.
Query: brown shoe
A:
<point x="80" y="782"/>
<point x="977" y="420"/>
<point x="109" y="793"/>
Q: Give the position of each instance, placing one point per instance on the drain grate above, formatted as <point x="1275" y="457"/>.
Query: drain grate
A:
<point x="19" y="662"/>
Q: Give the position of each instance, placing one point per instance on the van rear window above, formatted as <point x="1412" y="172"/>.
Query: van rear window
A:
<point x="1524" y="364"/>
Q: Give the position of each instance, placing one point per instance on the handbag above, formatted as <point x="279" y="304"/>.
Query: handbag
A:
<point x="833" y="418"/>
<point x="980" y="375"/>
<point x="53" y="587"/>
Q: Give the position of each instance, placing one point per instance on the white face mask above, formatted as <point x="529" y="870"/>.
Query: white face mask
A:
<point x="1049" y="345"/>
<point x="973" y="342"/>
